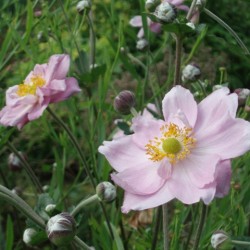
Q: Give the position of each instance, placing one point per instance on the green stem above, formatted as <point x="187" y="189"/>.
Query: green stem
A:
<point x="200" y="226"/>
<point x="81" y="244"/>
<point x="177" y="75"/>
<point x="240" y="243"/>
<point x="75" y="143"/>
<point x="137" y="61"/>
<point x="21" y="205"/>
<point x="191" y="10"/>
<point x="156" y="229"/>
<point x="26" y="167"/>
<point x="83" y="203"/>
<point x="165" y="225"/>
<point x="228" y="28"/>
<point x="92" y="39"/>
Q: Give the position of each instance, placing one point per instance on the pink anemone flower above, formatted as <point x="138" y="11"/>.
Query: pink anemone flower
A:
<point x="46" y="84"/>
<point x="185" y="156"/>
<point x="136" y="21"/>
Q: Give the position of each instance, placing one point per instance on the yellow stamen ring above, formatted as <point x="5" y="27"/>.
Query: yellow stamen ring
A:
<point x="175" y="144"/>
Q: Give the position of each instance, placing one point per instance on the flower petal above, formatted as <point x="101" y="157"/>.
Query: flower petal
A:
<point x="179" y="99"/>
<point x="141" y="180"/>
<point x="141" y="202"/>
<point x="155" y="27"/>
<point x="136" y="21"/>
<point x="223" y="178"/>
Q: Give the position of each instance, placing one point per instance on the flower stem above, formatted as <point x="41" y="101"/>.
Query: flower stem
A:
<point x="75" y="143"/>
<point x="191" y="10"/>
<point x="165" y="225"/>
<point x="156" y="229"/>
<point x="200" y="226"/>
<point x="27" y="168"/>
<point x="228" y="28"/>
<point x="177" y="75"/>
<point x="81" y="244"/>
<point x="92" y="39"/>
<point x="240" y="243"/>
<point x="83" y="203"/>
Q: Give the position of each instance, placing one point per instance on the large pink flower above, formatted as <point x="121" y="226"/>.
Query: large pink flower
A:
<point x="185" y="156"/>
<point x="47" y="83"/>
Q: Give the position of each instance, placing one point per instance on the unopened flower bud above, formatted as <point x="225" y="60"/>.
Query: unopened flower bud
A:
<point x="243" y="94"/>
<point x="219" y="86"/>
<point x="106" y="191"/>
<point x="201" y="3"/>
<point x="218" y="239"/>
<point x="28" y="236"/>
<point x="142" y="44"/>
<point x="191" y="73"/>
<point x="150" y="5"/>
<point x="83" y="5"/>
<point x="61" y="229"/>
<point x="14" y="162"/>
<point x="50" y="208"/>
<point x="191" y="25"/>
<point x="166" y="12"/>
<point x="124" y="101"/>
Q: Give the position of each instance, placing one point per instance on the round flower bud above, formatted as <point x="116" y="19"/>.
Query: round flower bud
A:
<point x="83" y="5"/>
<point x="61" y="229"/>
<point x="218" y="239"/>
<point x="50" y="208"/>
<point x="191" y="73"/>
<point x="201" y="3"/>
<point x="106" y="191"/>
<point x="142" y="44"/>
<point x="150" y="5"/>
<point x="124" y="101"/>
<point x="14" y="162"/>
<point x="28" y="236"/>
<point x="243" y="94"/>
<point x="166" y="12"/>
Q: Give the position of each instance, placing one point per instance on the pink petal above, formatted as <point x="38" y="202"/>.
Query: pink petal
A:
<point x="179" y="99"/>
<point x="183" y="7"/>
<point x="145" y="129"/>
<point x="175" y="2"/>
<point x="155" y="27"/>
<point x="140" y="33"/>
<point x="141" y="202"/>
<point x="58" y="67"/>
<point x="223" y="178"/>
<point x="37" y="111"/>
<point x="72" y="87"/>
<point x="141" y="180"/>
<point x="199" y="168"/>
<point x="123" y="153"/>
<point x="165" y="169"/>
<point x="58" y="85"/>
<point x="136" y="21"/>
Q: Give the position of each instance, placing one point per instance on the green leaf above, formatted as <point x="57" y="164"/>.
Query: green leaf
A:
<point x="9" y="234"/>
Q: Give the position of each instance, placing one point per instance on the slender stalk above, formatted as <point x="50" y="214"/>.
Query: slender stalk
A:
<point x="156" y="229"/>
<point x="137" y="61"/>
<point x="83" y="203"/>
<point x="81" y="244"/>
<point x="27" y="168"/>
<point x="75" y="143"/>
<point x="177" y="75"/>
<point x="165" y="225"/>
<point x="92" y="39"/>
<point x="191" y="10"/>
<point x="240" y="243"/>
<point x="200" y="226"/>
<point x="228" y="28"/>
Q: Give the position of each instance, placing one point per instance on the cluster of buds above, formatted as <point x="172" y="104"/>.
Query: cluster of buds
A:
<point x="124" y="101"/>
<point x="84" y="5"/>
<point x="191" y="73"/>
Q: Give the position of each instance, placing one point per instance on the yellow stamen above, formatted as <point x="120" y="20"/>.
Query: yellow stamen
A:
<point x="30" y="88"/>
<point x="175" y="144"/>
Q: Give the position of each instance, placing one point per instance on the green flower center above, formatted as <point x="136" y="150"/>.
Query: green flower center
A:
<point x="171" y="146"/>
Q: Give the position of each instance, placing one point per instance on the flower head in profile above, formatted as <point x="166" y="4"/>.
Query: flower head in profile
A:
<point x="46" y="84"/>
<point x="185" y="156"/>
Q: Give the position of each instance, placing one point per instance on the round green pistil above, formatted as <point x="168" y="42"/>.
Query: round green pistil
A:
<point x="171" y="146"/>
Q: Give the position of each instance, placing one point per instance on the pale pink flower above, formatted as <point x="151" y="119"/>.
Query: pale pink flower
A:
<point x="136" y="21"/>
<point x="46" y="84"/>
<point x="185" y="156"/>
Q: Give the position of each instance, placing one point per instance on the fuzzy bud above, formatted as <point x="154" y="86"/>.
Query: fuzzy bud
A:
<point x="106" y="191"/>
<point x="191" y="73"/>
<point x="14" y="162"/>
<point x="61" y="229"/>
<point x="219" y="239"/>
<point x="28" y="236"/>
<point x="142" y="44"/>
<point x="124" y="101"/>
<point x="166" y="12"/>
<point x="243" y="94"/>
<point x="83" y="5"/>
